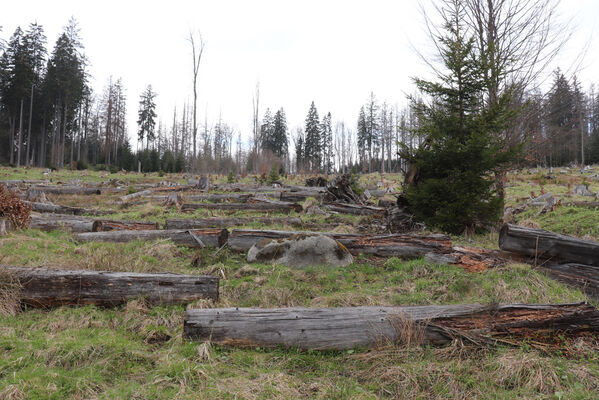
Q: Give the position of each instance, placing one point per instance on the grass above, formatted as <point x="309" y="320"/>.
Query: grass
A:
<point x="138" y="352"/>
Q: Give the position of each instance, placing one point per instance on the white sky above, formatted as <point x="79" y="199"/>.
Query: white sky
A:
<point x="334" y="52"/>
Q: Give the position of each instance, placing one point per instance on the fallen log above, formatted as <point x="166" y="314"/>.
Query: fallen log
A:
<point x="191" y="237"/>
<point x="397" y="245"/>
<point x="354" y="209"/>
<point x="254" y="206"/>
<point x="58" y="209"/>
<point x="300" y="196"/>
<point x="104" y="225"/>
<point x="217" y="198"/>
<point x="43" y="287"/>
<point x="135" y="195"/>
<point x="584" y="277"/>
<point x="546" y="246"/>
<point x="227" y="222"/>
<point x="471" y="259"/>
<point x="351" y="327"/>
<point x="51" y="222"/>
<point x="67" y="190"/>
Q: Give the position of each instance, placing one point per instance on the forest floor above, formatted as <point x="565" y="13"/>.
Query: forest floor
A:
<point x="137" y="352"/>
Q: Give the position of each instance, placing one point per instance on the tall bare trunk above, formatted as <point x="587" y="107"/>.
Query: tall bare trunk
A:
<point x="20" y="143"/>
<point x="29" y="147"/>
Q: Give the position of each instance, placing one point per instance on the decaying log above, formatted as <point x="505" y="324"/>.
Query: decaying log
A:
<point x="228" y="222"/>
<point x="176" y="188"/>
<point x="43" y="287"/>
<point x="191" y="237"/>
<point x="67" y="190"/>
<point x="300" y="196"/>
<point x="3" y="224"/>
<point x="58" y="209"/>
<point x="51" y="222"/>
<point x="135" y="195"/>
<point x="350" y="327"/>
<point x="397" y="245"/>
<point x="266" y="206"/>
<point x="471" y="259"/>
<point x="104" y="225"/>
<point x="218" y="198"/>
<point x="584" y="277"/>
<point x="354" y="209"/>
<point x="544" y="245"/>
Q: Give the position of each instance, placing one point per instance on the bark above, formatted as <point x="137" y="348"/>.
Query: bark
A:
<point x="351" y="327"/>
<point x="51" y="222"/>
<point x="43" y="287"/>
<point x="259" y="206"/>
<point x="136" y="195"/>
<point x="399" y="245"/>
<point x="67" y="190"/>
<point x="299" y="196"/>
<point x="584" y="277"/>
<point x="227" y="222"/>
<point x="57" y="209"/>
<point x="102" y="225"/>
<point x="544" y="246"/>
<point x="191" y="238"/>
<point x="354" y="209"/>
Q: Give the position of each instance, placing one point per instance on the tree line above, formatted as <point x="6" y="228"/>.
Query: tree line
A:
<point x="51" y="117"/>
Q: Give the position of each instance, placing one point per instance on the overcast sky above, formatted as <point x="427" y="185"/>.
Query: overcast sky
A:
<point x="331" y="52"/>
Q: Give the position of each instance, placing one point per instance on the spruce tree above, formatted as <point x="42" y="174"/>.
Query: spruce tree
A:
<point x="362" y="136"/>
<point x="453" y="189"/>
<point x="312" y="144"/>
<point x="279" y="140"/>
<point x="327" y="143"/>
<point x="266" y="131"/>
<point x="147" y="116"/>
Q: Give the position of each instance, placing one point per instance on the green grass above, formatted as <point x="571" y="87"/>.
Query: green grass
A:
<point x="138" y="352"/>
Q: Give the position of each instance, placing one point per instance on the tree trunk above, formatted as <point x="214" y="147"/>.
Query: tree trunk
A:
<point x="351" y="327"/>
<point x="354" y="209"/>
<point x="398" y="245"/>
<point x="548" y="246"/>
<point x="43" y="287"/>
<point x="191" y="238"/>
<point x="300" y="196"/>
<point x="67" y="190"/>
<point x="261" y="206"/>
<point x="104" y="225"/>
<point x="51" y="222"/>
<point x="227" y="222"/>
<point x="29" y="147"/>
<point x="584" y="277"/>
<point x="20" y="141"/>
<point x="58" y="209"/>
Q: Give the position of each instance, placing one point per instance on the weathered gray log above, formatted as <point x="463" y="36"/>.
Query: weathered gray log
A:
<point x="67" y="190"/>
<point x="104" y="225"/>
<point x="43" y="287"/>
<point x="354" y="209"/>
<point x="584" y="277"/>
<point x="58" y="209"/>
<point x="191" y="237"/>
<point x="135" y="195"/>
<point x="217" y="198"/>
<point x="3" y="224"/>
<point x="228" y="222"/>
<point x="397" y="245"/>
<point x="51" y="222"/>
<point x="350" y="327"/>
<point x="544" y="245"/>
<point x="300" y="196"/>
<point x="253" y="206"/>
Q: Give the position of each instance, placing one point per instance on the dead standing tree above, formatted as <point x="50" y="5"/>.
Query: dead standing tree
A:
<point x="197" y="57"/>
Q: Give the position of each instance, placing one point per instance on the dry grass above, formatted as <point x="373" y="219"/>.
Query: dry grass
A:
<point x="10" y="289"/>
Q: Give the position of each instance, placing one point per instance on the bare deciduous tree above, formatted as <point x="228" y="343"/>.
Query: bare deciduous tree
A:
<point x="197" y="57"/>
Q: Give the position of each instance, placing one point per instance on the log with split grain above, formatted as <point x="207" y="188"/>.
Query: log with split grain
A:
<point x="67" y="190"/>
<point x="396" y="245"/>
<point x="104" y="225"/>
<point x="183" y="237"/>
<point x="350" y="327"/>
<point x="584" y="277"/>
<point x="51" y="222"/>
<point x="43" y="287"/>
<point x="545" y="246"/>
<point x="354" y="209"/>
<point x="266" y="206"/>
<point x="58" y="209"/>
<point x="228" y="222"/>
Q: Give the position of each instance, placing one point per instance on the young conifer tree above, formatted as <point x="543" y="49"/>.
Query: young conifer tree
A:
<point x="453" y="187"/>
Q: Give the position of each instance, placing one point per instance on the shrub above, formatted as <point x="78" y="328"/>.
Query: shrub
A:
<point x="274" y="175"/>
<point x="14" y="209"/>
<point x="231" y="177"/>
